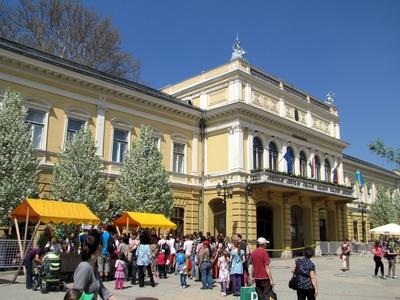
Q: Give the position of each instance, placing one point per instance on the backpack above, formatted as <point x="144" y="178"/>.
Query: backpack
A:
<point x="165" y="247"/>
<point x="181" y="258"/>
<point x="110" y="244"/>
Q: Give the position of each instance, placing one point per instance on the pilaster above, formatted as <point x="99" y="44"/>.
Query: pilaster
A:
<point x="315" y="221"/>
<point x="235" y="141"/>
<point x="100" y="123"/>
<point x="287" y="236"/>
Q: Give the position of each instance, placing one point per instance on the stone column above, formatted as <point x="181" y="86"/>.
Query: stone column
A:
<point x="250" y="158"/>
<point x="287" y="236"/>
<point x="339" y="221"/>
<point x="235" y="151"/>
<point x="315" y="221"/>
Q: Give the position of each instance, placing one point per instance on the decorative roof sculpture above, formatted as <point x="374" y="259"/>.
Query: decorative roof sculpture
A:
<point x="238" y="51"/>
<point x="330" y="98"/>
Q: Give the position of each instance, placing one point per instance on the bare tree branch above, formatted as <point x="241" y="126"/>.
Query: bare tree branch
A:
<point x="69" y="30"/>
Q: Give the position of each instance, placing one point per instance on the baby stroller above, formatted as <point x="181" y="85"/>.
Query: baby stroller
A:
<point x="47" y="275"/>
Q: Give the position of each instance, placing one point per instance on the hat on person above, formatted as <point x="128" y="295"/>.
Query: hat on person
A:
<point x="262" y="241"/>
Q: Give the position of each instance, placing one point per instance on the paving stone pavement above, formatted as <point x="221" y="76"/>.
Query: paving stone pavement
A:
<point x="356" y="284"/>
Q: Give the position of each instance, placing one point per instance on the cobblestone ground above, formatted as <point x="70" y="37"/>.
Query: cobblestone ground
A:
<point x="356" y="284"/>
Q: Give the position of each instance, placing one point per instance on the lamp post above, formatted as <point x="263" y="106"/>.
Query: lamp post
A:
<point x="362" y="208"/>
<point x="228" y="192"/>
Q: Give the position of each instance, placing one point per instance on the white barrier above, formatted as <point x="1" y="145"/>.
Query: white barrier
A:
<point x="333" y="248"/>
<point x="10" y="256"/>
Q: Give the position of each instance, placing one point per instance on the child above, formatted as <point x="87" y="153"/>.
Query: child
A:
<point x="161" y="260"/>
<point x="223" y="265"/>
<point x="119" y="271"/>
<point x="181" y="267"/>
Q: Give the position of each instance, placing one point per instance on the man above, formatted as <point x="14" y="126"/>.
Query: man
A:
<point x="103" y="262"/>
<point x="193" y="256"/>
<point x="261" y="270"/>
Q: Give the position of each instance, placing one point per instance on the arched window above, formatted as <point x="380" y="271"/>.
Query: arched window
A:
<point x="317" y="168"/>
<point x="327" y="171"/>
<point x="289" y="157"/>
<point x="303" y="164"/>
<point x="257" y="154"/>
<point x="273" y="156"/>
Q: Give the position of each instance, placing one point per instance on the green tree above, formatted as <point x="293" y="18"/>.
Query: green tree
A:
<point x="389" y="154"/>
<point x="385" y="209"/>
<point x="18" y="162"/>
<point x="77" y="174"/>
<point x="143" y="184"/>
<point x="68" y="30"/>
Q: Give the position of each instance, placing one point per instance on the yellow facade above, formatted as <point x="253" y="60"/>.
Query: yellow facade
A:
<point x="235" y="122"/>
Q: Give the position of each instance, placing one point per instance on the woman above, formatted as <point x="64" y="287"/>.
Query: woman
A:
<point x="237" y="259"/>
<point x="124" y="248"/>
<point x="204" y="260"/>
<point x="307" y="279"/>
<point x="144" y="258"/>
<point x="345" y="250"/>
<point x="378" y="254"/>
<point x="86" y="277"/>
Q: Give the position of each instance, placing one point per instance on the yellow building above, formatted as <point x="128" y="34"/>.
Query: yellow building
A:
<point x="274" y="150"/>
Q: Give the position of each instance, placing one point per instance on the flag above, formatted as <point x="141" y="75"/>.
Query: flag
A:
<point x="312" y="166"/>
<point x="335" y="175"/>
<point x="359" y="177"/>
<point x="288" y="157"/>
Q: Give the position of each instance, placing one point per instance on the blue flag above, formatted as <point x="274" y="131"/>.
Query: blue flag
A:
<point x="288" y="157"/>
<point x="359" y="177"/>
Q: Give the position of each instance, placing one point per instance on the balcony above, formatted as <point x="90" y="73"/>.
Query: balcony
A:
<point x="301" y="184"/>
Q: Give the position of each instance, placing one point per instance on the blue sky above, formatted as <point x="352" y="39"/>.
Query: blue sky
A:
<point x="350" y="47"/>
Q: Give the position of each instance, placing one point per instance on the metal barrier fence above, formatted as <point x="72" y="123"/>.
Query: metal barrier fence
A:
<point x="333" y="248"/>
<point x="10" y="256"/>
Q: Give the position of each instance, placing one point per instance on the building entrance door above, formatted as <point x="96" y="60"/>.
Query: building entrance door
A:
<point x="219" y="211"/>
<point x="265" y="221"/>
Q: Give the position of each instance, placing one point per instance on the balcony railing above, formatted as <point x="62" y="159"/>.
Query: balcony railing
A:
<point x="286" y="180"/>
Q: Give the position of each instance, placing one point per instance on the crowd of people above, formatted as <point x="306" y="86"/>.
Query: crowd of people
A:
<point x="227" y="262"/>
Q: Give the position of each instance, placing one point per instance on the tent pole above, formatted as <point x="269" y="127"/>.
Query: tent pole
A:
<point x="26" y="227"/>
<point x="127" y="225"/>
<point x="27" y="248"/>
<point x="119" y="232"/>
<point x="21" y="251"/>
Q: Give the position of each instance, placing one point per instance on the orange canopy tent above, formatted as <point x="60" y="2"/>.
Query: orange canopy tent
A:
<point x="144" y="220"/>
<point x="49" y="211"/>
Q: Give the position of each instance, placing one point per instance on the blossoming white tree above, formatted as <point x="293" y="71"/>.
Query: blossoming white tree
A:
<point x="18" y="162"/>
<point x="143" y="184"/>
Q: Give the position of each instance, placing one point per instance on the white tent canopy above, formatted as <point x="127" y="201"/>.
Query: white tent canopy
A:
<point x="391" y="228"/>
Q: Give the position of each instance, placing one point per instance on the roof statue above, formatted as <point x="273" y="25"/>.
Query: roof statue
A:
<point x="238" y="52"/>
<point x="330" y="97"/>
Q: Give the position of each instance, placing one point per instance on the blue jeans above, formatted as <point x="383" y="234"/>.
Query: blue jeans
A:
<point x="28" y="267"/>
<point x="206" y="278"/>
<point x="183" y="279"/>
<point x="193" y="262"/>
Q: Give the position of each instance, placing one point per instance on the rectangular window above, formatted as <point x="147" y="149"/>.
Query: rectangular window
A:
<point x="119" y="145"/>
<point x="179" y="156"/>
<point x="74" y="125"/>
<point x="35" y="120"/>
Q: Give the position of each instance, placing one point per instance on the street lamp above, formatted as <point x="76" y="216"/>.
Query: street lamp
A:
<point x="228" y="192"/>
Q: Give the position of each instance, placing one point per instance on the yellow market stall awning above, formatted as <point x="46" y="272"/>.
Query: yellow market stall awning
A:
<point x="50" y="211"/>
<point x="144" y="220"/>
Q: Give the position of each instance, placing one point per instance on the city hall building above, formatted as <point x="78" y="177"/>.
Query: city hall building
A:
<point x="246" y="152"/>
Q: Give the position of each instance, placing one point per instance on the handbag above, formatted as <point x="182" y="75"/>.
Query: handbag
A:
<point x="294" y="281"/>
